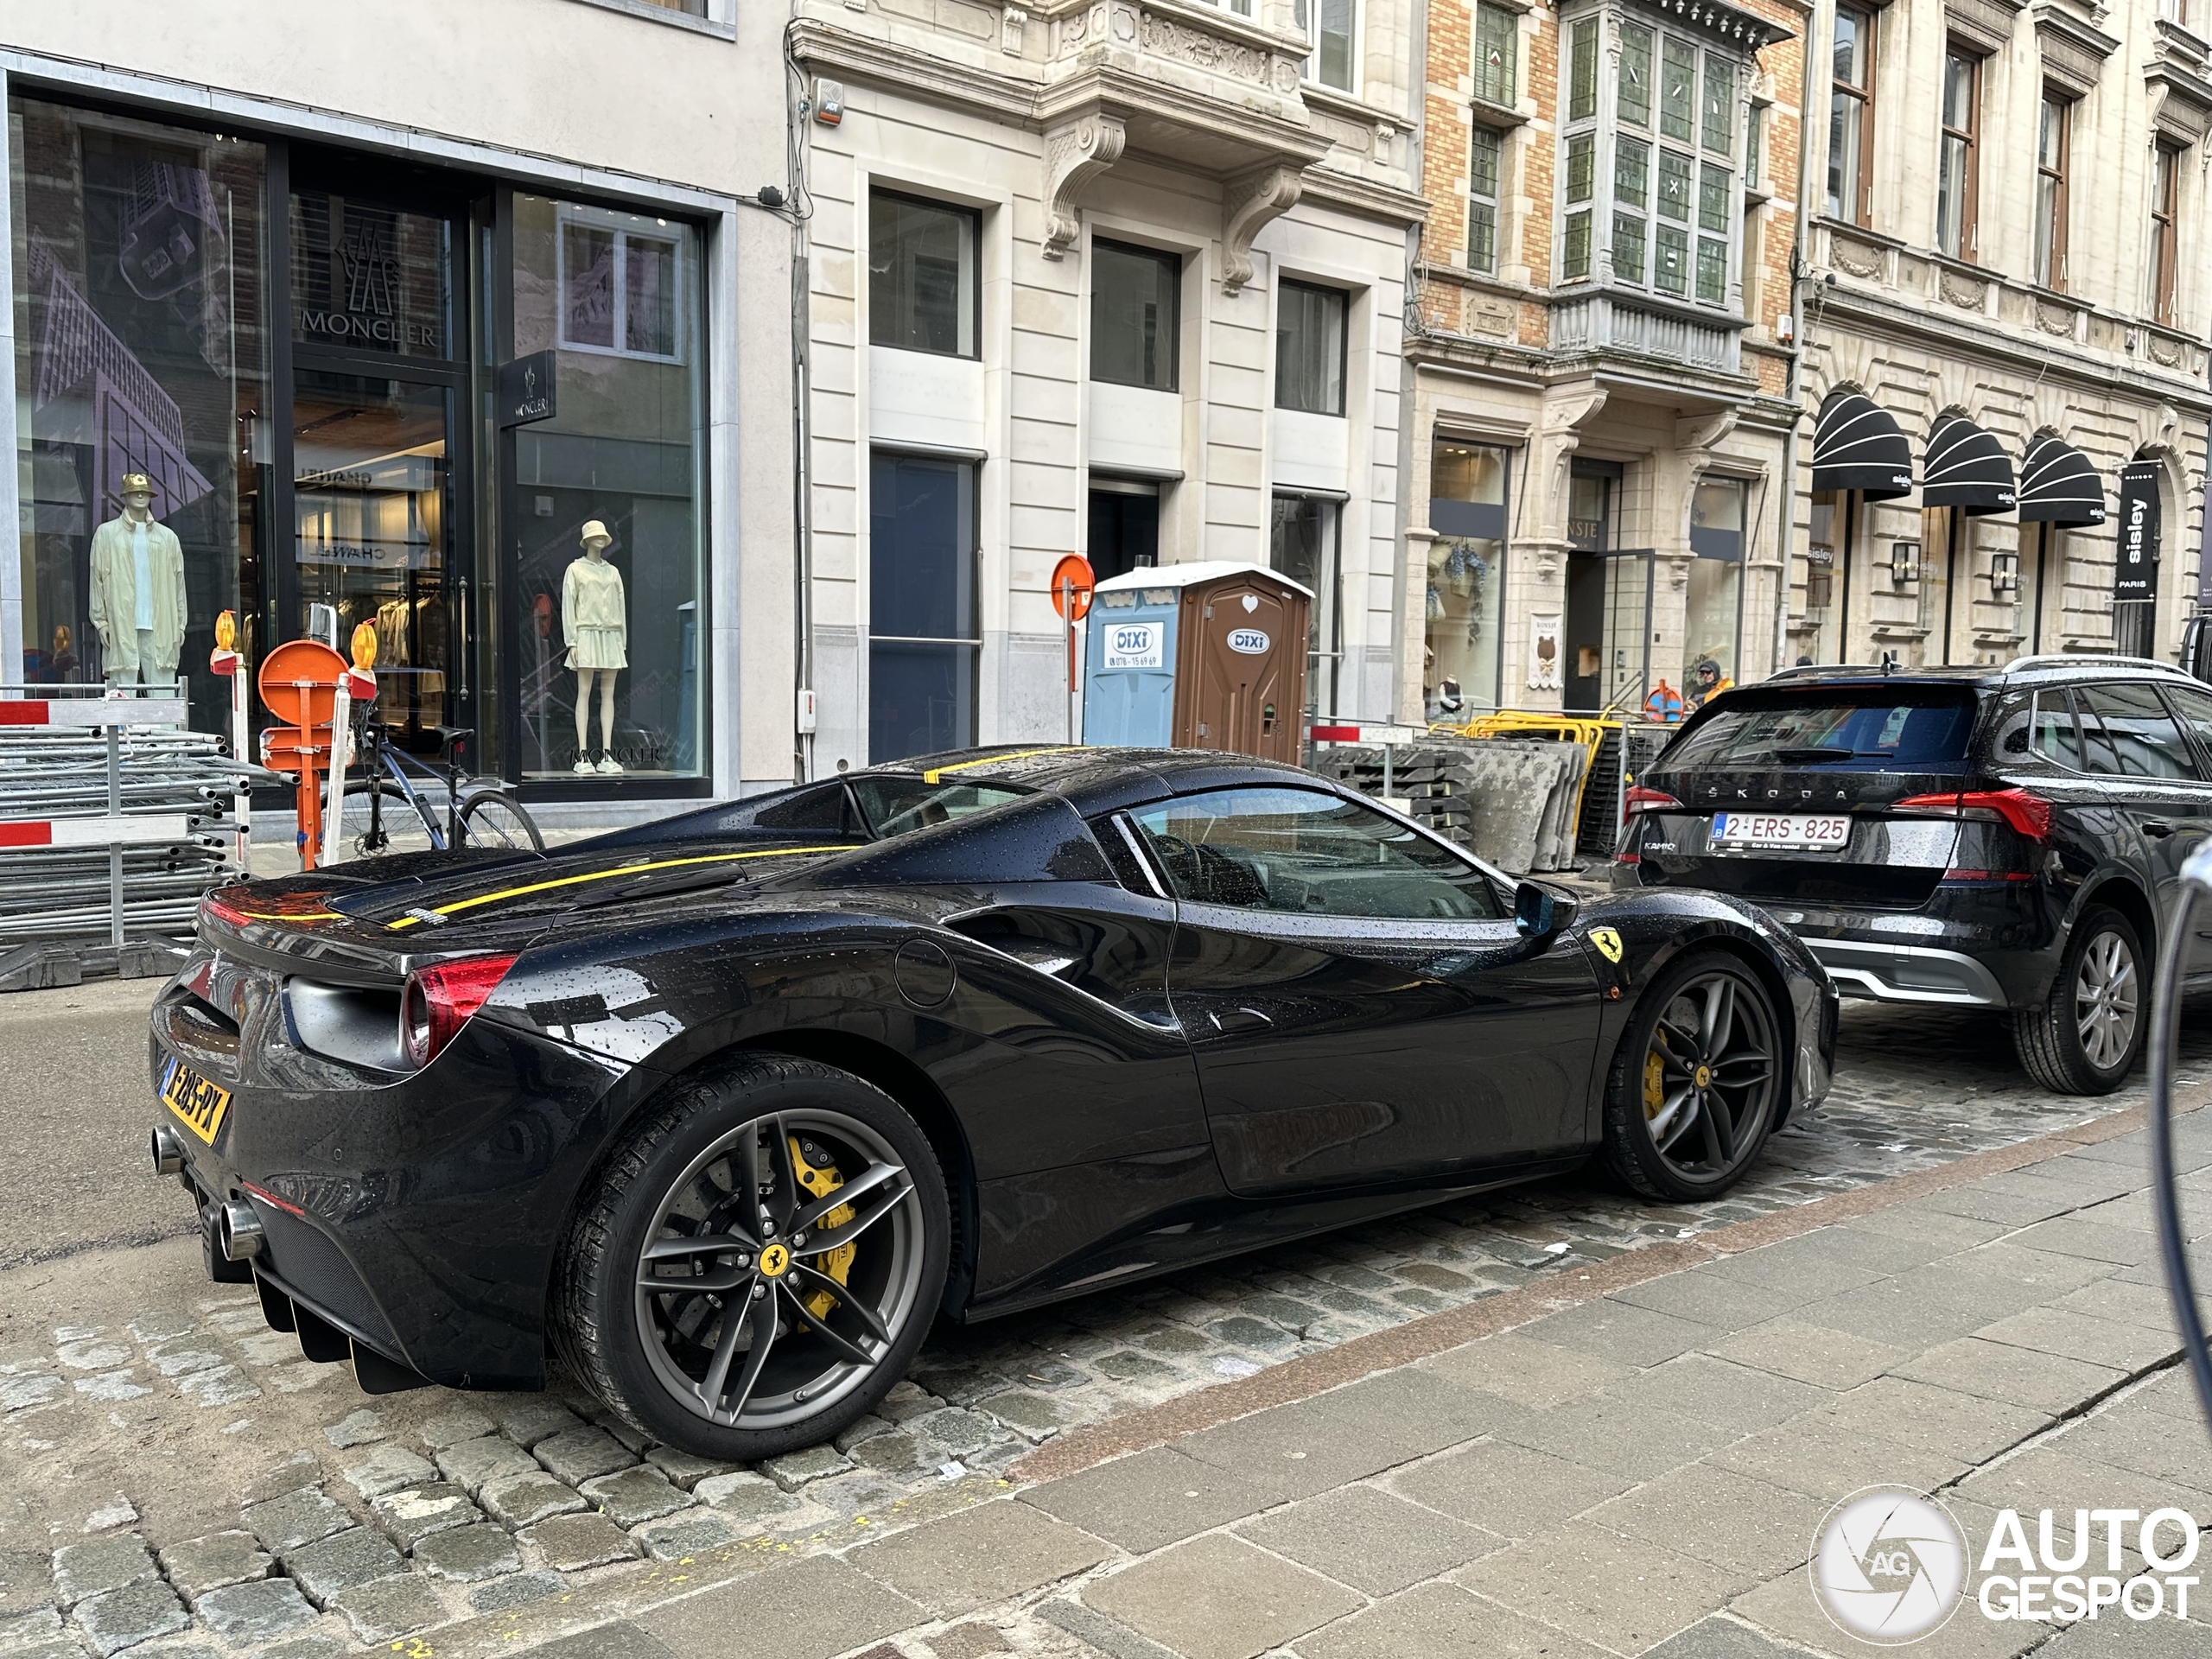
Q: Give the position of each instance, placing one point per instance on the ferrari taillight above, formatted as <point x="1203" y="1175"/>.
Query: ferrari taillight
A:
<point x="2028" y="813"/>
<point x="440" y="999"/>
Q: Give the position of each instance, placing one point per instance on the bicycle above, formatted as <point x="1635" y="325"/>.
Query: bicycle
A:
<point x="477" y="813"/>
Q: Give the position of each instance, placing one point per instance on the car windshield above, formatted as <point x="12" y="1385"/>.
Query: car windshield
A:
<point x="892" y="805"/>
<point x="1857" y="728"/>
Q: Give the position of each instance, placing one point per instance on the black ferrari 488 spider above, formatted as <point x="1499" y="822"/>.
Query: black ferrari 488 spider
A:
<point x="719" y="1113"/>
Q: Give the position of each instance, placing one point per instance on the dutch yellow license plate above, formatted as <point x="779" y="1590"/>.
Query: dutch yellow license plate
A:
<point x="198" y="1102"/>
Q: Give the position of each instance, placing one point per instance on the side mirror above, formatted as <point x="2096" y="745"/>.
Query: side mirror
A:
<point x="1539" y="913"/>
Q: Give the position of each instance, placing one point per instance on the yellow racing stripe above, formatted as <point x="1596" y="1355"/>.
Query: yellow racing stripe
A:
<point x="935" y="773"/>
<point x="460" y="905"/>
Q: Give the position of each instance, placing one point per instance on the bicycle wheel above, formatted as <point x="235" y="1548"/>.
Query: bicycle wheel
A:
<point x="492" y="817"/>
<point x="407" y="826"/>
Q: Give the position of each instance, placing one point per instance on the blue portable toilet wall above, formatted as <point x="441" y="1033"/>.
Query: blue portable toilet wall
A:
<point x="1128" y="688"/>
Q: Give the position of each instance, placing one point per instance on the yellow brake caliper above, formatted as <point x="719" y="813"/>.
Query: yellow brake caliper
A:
<point x="1654" y="1085"/>
<point x="838" y="1263"/>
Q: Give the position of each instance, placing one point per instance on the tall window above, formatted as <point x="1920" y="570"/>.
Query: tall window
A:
<point x="1850" y="117"/>
<point x="1310" y="348"/>
<point x="921" y="275"/>
<point x="1497" y="54"/>
<point x="1330" y="26"/>
<point x="2165" y="184"/>
<point x="1133" y="308"/>
<point x="1302" y="544"/>
<point x="1486" y="154"/>
<point x="1466" y="578"/>
<point x="1955" y="160"/>
<point x="2052" y="137"/>
<point x="1671" y="203"/>
<point x="923" y="619"/>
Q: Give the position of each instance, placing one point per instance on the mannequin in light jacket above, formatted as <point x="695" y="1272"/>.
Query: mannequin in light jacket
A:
<point x="594" y="621"/>
<point x="138" y="591"/>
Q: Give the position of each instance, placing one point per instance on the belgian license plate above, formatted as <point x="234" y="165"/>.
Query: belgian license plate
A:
<point x="198" y="1102"/>
<point x="1806" y="831"/>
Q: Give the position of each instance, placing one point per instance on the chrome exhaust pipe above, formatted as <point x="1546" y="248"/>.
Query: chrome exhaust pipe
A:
<point x="168" y="1151"/>
<point x="239" y="1230"/>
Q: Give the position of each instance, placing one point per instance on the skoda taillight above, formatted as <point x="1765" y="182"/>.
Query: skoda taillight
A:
<point x="440" y="999"/>
<point x="1641" y="799"/>
<point x="2028" y="813"/>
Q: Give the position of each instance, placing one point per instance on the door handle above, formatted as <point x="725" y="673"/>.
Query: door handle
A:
<point x="1236" y="1019"/>
<point x="2158" y="827"/>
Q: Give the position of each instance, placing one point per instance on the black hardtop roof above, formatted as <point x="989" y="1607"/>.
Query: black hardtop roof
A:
<point x="1084" y="774"/>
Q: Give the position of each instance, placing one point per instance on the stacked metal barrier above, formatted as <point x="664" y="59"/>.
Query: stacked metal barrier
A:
<point x="109" y="835"/>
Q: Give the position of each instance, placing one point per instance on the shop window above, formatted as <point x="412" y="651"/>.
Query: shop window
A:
<point x="1303" y="543"/>
<point x="1133" y="295"/>
<point x="1310" y="348"/>
<point x="1713" y="612"/>
<point x="1498" y="50"/>
<point x="923" y="619"/>
<point x="142" y="346"/>
<point x="605" y="637"/>
<point x="921" y="285"/>
<point x="1462" y="606"/>
<point x="619" y="287"/>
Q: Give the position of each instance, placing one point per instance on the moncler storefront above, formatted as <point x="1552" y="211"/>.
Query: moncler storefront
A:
<point x="360" y="390"/>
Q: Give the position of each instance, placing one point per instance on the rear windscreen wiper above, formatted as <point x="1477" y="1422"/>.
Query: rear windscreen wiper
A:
<point x="1800" y="756"/>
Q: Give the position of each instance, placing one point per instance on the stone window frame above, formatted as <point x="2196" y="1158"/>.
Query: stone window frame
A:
<point x="1968" y="239"/>
<point x="1486" y="209"/>
<point x="1599" y="137"/>
<point x="2051" y="271"/>
<point x="2162" y="268"/>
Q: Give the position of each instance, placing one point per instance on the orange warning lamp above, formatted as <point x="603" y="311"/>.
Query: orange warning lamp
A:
<point x="227" y="632"/>
<point x="365" y="648"/>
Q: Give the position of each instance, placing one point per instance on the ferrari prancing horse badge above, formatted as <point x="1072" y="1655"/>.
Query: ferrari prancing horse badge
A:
<point x="1608" y="943"/>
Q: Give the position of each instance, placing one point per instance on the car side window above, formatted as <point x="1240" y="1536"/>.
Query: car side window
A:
<point x="1308" y="853"/>
<point x="2144" y="738"/>
<point x="2195" y="707"/>
<point x="2056" y="737"/>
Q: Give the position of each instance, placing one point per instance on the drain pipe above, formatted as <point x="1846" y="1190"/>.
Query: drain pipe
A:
<point x="797" y="109"/>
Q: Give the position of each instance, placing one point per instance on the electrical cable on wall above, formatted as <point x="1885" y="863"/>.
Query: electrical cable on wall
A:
<point x="2166" y="1029"/>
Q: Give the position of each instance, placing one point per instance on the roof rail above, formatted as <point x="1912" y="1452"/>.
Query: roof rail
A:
<point x="1824" y="668"/>
<point x="2050" y="659"/>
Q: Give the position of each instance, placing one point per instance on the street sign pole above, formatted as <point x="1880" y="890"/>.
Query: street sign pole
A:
<point x="1072" y="587"/>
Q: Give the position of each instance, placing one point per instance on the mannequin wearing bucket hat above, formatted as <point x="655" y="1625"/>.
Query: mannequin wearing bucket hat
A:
<point x="137" y="590"/>
<point x="596" y="623"/>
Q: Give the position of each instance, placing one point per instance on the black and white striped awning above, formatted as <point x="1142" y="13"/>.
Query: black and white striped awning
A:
<point x="1966" y="468"/>
<point x="2058" y="486"/>
<point x="1858" y="446"/>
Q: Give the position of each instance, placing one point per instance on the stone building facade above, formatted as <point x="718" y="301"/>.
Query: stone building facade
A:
<point x="1125" y="278"/>
<point x="2004" y="267"/>
<point x="1603" y="393"/>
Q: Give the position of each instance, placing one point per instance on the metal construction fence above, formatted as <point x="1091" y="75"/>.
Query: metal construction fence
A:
<point x="114" y="819"/>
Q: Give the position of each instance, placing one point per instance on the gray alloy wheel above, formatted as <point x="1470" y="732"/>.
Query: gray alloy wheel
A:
<point x="1694" y="1090"/>
<point x="2084" y="1036"/>
<point x="2107" y="987"/>
<point x="779" y="1269"/>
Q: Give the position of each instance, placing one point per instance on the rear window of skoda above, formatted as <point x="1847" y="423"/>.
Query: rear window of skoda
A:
<point x="1839" y="728"/>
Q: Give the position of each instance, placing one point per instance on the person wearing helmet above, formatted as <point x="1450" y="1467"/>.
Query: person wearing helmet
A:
<point x="1706" y="682"/>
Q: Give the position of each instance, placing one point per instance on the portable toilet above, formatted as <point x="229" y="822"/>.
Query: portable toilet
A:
<point x="1207" y="656"/>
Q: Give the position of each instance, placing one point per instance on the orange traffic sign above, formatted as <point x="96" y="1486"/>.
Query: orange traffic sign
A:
<point x="298" y="682"/>
<point x="1072" y="586"/>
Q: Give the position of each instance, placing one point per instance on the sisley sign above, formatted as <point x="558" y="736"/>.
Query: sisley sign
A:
<point x="2135" y="570"/>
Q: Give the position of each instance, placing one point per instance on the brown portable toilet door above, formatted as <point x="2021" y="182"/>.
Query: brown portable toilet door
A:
<point x="1241" y="669"/>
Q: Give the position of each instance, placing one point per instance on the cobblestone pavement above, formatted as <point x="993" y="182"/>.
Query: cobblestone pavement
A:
<point x="173" y="1478"/>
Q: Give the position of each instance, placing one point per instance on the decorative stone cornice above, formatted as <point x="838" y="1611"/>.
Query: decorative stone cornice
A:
<point x="1725" y="25"/>
<point x="2073" y="50"/>
<point x="1988" y="23"/>
<point x="2178" y="78"/>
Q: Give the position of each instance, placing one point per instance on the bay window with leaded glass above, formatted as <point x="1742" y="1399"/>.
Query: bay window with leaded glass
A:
<point x="1653" y="112"/>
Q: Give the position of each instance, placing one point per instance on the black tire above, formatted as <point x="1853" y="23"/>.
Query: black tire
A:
<point x="400" y="816"/>
<point x="2088" y="1034"/>
<point x="1695" y="1087"/>
<point x="651" y="1355"/>
<point x="492" y="817"/>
